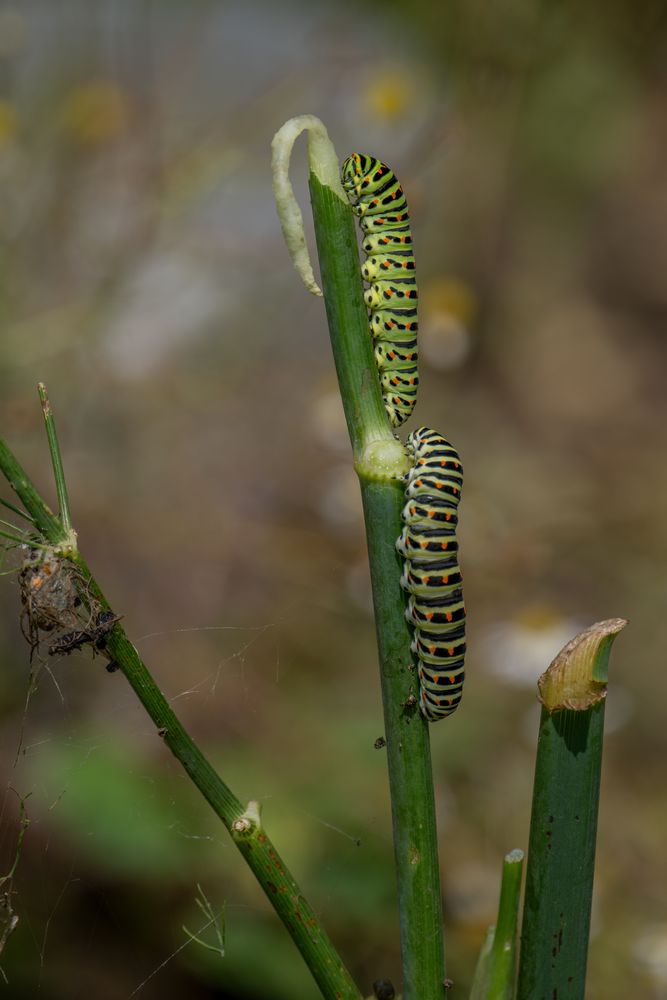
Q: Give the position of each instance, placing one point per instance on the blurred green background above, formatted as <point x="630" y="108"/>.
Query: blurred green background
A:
<point x="144" y="279"/>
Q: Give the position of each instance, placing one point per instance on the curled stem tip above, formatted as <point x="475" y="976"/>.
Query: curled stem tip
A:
<point x="323" y="163"/>
<point x="577" y="677"/>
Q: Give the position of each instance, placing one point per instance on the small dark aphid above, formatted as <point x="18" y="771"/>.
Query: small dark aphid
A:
<point x="384" y="989"/>
<point x="68" y="642"/>
<point x="105" y="623"/>
<point x="380" y="742"/>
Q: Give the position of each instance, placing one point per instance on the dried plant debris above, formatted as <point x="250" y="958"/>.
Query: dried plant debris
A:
<point x="49" y="593"/>
<point x="96" y="635"/>
<point x="56" y="601"/>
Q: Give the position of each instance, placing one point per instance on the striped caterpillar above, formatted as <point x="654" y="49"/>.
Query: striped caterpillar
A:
<point x="377" y="198"/>
<point x="431" y="574"/>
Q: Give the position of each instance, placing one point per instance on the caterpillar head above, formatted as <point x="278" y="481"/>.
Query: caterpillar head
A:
<point x="353" y="173"/>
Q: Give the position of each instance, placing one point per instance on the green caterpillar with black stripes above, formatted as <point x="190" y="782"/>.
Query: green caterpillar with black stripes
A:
<point x="431" y="575"/>
<point x="377" y="198"/>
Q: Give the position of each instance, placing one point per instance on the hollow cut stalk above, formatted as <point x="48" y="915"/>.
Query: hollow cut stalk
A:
<point x="561" y="850"/>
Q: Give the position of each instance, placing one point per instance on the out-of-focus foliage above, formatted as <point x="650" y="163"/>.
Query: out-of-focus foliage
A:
<point x="143" y="278"/>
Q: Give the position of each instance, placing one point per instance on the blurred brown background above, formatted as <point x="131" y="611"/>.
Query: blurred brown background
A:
<point x="144" y="279"/>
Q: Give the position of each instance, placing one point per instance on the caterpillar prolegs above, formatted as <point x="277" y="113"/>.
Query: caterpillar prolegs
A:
<point x="431" y="574"/>
<point x="377" y="198"/>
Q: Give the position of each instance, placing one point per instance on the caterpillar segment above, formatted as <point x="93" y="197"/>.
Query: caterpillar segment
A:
<point x="431" y="575"/>
<point x="377" y="199"/>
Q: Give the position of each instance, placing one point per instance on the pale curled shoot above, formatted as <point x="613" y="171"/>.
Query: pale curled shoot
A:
<point x="323" y="163"/>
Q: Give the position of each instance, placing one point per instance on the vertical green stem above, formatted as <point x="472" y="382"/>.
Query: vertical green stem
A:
<point x="480" y="983"/>
<point x="56" y="460"/>
<point x="408" y="755"/>
<point x="347" y="317"/>
<point x="379" y="461"/>
<point x="496" y="966"/>
<point x="561" y="854"/>
<point x="561" y="851"/>
<point x="502" y="960"/>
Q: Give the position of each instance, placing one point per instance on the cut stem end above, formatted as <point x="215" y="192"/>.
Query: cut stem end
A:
<point x="577" y="677"/>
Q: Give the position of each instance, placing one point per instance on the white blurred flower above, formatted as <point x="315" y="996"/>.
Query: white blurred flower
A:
<point x="650" y="952"/>
<point x="168" y="301"/>
<point x="521" y="649"/>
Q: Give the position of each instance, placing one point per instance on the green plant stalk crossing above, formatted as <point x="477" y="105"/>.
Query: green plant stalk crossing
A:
<point x="242" y="822"/>
<point x="379" y="460"/>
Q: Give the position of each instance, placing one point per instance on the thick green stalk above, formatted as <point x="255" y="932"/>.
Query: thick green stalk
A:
<point x="379" y="460"/>
<point x="347" y="316"/>
<point x="243" y="824"/>
<point x="408" y="754"/>
<point x="561" y="852"/>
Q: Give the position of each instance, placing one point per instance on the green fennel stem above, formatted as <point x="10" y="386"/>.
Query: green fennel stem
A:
<point x="318" y="952"/>
<point x="563" y="824"/>
<point x="379" y="460"/>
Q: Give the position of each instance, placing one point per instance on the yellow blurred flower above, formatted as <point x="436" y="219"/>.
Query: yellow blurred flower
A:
<point x="389" y="94"/>
<point x="8" y="122"/>
<point x="447" y="307"/>
<point x="452" y="295"/>
<point x="96" y="112"/>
